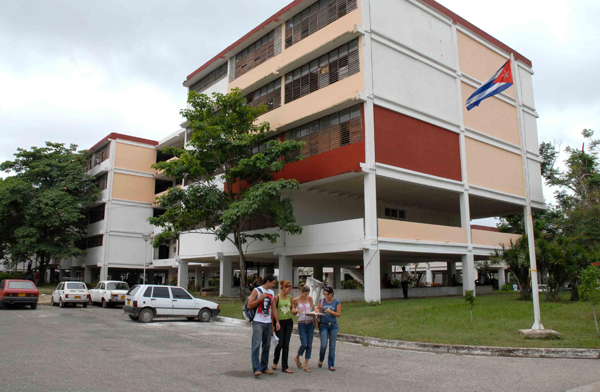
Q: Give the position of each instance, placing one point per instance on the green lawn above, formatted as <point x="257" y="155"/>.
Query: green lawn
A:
<point x="496" y="321"/>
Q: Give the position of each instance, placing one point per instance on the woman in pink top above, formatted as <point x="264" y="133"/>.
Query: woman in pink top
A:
<point x="301" y="306"/>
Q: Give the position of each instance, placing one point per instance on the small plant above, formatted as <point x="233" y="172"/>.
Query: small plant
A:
<point x="589" y="289"/>
<point x="173" y="281"/>
<point x="507" y="287"/>
<point x="351" y="284"/>
<point x="470" y="299"/>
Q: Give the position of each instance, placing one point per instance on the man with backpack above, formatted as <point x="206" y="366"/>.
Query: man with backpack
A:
<point x="261" y="299"/>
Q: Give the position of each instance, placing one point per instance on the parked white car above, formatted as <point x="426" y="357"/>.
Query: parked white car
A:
<point x="145" y="302"/>
<point x="70" y="293"/>
<point x="109" y="292"/>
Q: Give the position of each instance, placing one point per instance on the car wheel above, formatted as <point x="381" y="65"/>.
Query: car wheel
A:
<point x="146" y="315"/>
<point x="52" y="303"/>
<point x="190" y="318"/>
<point x="134" y="318"/>
<point x="104" y="303"/>
<point x="90" y="302"/>
<point x="84" y="304"/>
<point x="61" y="303"/>
<point x="33" y="306"/>
<point x="204" y="315"/>
<point x="1" y="305"/>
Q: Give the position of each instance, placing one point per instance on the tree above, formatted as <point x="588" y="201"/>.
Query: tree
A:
<point x="516" y="256"/>
<point x="590" y="289"/>
<point x="227" y="183"/>
<point x="42" y="204"/>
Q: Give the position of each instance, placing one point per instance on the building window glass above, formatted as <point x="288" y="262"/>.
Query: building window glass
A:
<point x="255" y="54"/>
<point x="316" y="17"/>
<point x="209" y="80"/>
<point x="330" y="132"/>
<point x="98" y="157"/>
<point x="269" y="95"/>
<point x="328" y="69"/>
<point x="95" y="214"/>
<point x="102" y="182"/>
<point x="393" y="213"/>
<point x="90" y="242"/>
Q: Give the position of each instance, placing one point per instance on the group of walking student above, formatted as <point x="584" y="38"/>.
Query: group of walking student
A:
<point x="274" y="315"/>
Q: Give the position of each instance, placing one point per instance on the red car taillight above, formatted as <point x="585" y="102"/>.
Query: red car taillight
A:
<point x="66" y="295"/>
<point x="135" y="304"/>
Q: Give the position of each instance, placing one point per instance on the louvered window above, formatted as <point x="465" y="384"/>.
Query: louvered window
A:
<point x="330" y="132"/>
<point x="255" y="54"/>
<point x="212" y="78"/>
<point x="269" y="95"/>
<point x="314" y="18"/>
<point x="329" y="68"/>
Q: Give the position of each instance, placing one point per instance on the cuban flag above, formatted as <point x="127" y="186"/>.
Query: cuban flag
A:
<point x="495" y="85"/>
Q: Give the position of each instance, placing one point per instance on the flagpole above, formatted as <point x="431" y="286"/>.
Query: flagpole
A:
<point x="528" y="221"/>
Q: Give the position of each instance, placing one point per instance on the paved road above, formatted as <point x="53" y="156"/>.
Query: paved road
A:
<point x="95" y="349"/>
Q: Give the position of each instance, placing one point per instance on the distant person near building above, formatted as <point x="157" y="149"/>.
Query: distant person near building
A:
<point x="404" y="279"/>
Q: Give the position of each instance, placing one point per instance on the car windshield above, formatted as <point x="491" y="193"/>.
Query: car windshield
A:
<point x="117" y="286"/>
<point x="76" y="286"/>
<point x="21" y="285"/>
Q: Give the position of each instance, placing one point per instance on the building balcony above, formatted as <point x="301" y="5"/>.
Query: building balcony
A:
<point x="494" y="239"/>
<point x="411" y="231"/>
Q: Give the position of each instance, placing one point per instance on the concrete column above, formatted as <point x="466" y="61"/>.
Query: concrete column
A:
<point x="469" y="272"/>
<point x="285" y="268"/>
<point x="196" y="275"/>
<point x="501" y="277"/>
<point x="206" y="279"/>
<point x="428" y="276"/>
<point x="318" y="272"/>
<point x="149" y="276"/>
<point x="51" y="275"/>
<point x="182" y="273"/>
<point x="296" y="277"/>
<point x="225" y="281"/>
<point x="262" y="272"/>
<point x="451" y="268"/>
<point x="372" y="278"/>
<point x="103" y="272"/>
<point x="87" y="274"/>
<point x="337" y="278"/>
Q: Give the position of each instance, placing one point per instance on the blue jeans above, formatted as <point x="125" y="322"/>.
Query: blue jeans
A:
<point x="329" y="333"/>
<point x="306" y="332"/>
<point x="261" y="335"/>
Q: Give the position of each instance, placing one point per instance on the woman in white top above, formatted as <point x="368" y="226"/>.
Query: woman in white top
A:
<point x="301" y="306"/>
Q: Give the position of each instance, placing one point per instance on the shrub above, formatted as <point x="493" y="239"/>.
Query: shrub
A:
<point x="214" y="282"/>
<point x="12" y="275"/>
<point x="173" y="281"/>
<point x="470" y="299"/>
<point x="351" y="284"/>
<point x="507" y="287"/>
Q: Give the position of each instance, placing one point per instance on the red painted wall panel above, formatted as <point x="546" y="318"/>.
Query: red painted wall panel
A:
<point x="412" y="144"/>
<point x="327" y="164"/>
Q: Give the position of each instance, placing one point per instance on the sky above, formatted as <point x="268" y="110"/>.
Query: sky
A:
<point x="73" y="71"/>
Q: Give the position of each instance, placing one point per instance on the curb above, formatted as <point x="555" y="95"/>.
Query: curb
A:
<point x="569" y="353"/>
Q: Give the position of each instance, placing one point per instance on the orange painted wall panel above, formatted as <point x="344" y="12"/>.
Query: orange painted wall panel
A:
<point x="494" y="168"/>
<point x="493" y="117"/>
<point x="128" y="156"/>
<point x="131" y="187"/>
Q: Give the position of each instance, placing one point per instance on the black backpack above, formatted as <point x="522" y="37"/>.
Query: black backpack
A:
<point x="249" y="313"/>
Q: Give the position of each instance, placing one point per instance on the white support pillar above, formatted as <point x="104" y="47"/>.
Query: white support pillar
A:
<point x="337" y="278"/>
<point x="225" y="281"/>
<point x="451" y="268"/>
<point x="296" y="274"/>
<point x="182" y="273"/>
<point x="103" y="273"/>
<point x="87" y="274"/>
<point x="428" y="276"/>
<point x="501" y="277"/>
<point x="371" y="260"/>
<point x="206" y="279"/>
<point x="285" y="268"/>
<point x="262" y="272"/>
<point x="196" y="277"/>
<point x="469" y="272"/>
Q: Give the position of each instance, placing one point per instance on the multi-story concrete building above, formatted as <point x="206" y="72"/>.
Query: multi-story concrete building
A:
<point x="114" y="243"/>
<point x="396" y="168"/>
